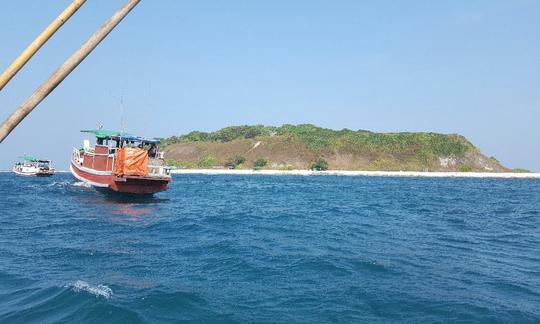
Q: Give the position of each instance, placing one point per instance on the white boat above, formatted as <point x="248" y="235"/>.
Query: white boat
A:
<point x="30" y="166"/>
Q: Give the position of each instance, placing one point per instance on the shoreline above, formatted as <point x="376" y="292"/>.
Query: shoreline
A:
<point x="403" y="174"/>
<point x="412" y="174"/>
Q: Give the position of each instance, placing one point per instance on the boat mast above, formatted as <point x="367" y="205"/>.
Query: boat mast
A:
<point x="64" y="70"/>
<point x="27" y="54"/>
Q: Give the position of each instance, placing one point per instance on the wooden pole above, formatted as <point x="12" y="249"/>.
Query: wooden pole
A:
<point x="27" y="54"/>
<point x="57" y="77"/>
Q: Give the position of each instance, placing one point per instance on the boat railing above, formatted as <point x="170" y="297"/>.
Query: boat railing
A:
<point x="158" y="170"/>
<point x="92" y="152"/>
<point x="88" y="152"/>
<point x="76" y="154"/>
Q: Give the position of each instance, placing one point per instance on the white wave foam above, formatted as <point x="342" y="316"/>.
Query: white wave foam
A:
<point x="58" y="184"/>
<point x="99" y="291"/>
<point x="82" y="184"/>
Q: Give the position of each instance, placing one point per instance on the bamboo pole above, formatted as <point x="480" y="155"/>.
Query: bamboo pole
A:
<point x="27" y="54"/>
<point x="69" y="65"/>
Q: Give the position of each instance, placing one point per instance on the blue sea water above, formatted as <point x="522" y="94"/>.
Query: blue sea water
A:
<point x="271" y="249"/>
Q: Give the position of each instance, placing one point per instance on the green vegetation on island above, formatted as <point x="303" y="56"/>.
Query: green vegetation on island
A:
<point x="260" y="163"/>
<point x="520" y="170"/>
<point x="319" y="164"/>
<point x="311" y="147"/>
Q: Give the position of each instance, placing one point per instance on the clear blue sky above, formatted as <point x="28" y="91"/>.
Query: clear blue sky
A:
<point x="468" y="67"/>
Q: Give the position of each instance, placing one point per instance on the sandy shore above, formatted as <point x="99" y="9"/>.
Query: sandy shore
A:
<point x="362" y="173"/>
<point x="353" y="173"/>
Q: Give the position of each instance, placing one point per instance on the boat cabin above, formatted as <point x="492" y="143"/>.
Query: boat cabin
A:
<point x="122" y="153"/>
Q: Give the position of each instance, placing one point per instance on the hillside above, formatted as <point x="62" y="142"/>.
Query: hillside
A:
<point x="296" y="147"/>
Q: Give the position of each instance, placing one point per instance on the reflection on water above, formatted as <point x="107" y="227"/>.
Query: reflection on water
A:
<point x="117" y="203"/>
<point x="131" y="210"/>
<point x="121" y="198"/>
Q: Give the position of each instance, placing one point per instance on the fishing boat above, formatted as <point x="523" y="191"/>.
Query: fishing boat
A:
<point x="121" y="162"/>
<point x="31" y="166"/>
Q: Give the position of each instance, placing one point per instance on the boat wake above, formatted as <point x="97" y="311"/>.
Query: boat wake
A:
<point x="82" y="184"/>
<point x="98" y="291"/>
<point x="60" y="184"/>
<point x="64" y="185"/>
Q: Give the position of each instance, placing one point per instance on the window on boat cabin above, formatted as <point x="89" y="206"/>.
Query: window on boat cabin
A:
<point x="113" y="145"/>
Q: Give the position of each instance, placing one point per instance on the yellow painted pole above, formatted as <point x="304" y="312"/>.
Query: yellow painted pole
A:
<point x="64" y="70"/>
<point x="25" y="56"/>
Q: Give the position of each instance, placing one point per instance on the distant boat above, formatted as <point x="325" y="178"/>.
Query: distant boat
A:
<point x="121" y="162"/>
<point x="31" y="166"/>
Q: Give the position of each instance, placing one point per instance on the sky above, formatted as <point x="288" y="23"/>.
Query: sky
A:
<point x="173" y="66"/>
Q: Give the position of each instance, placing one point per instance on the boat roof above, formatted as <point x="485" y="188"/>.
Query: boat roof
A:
<point x="31" y="158"/>
<point x="115" y="135"/>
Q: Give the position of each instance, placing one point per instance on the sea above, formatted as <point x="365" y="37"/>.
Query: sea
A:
<point x="271" y="249"/>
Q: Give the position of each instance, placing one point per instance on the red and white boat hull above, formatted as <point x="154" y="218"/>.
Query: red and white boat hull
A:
<point x="123" y="184"/>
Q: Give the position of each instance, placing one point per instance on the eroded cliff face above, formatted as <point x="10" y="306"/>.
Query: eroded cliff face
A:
<point x="473" y="160"/>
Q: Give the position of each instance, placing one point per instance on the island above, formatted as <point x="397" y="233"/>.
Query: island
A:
<point x="308" y="147"/>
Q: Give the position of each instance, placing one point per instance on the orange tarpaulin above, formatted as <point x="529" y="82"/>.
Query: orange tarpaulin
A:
<point x="119" y="162"/>
<point x="131" y="161"/>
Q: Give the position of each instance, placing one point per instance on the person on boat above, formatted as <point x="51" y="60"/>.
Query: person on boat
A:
<point x="152" y="151"/>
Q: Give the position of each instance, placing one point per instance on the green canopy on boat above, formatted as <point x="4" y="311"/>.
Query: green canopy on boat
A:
<point x="103" y="133"/>
<point x="29" y="158"/>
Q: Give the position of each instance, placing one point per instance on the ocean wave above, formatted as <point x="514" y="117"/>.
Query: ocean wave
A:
<point x="81" y="184"/>
<point x="98" y="291"/>
<point x="323" y="249"/>
<point x="59" y="184"/>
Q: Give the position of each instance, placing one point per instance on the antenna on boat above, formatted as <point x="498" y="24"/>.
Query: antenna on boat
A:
<point x="147" y="109"/>
<point x="122" y="120"/>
